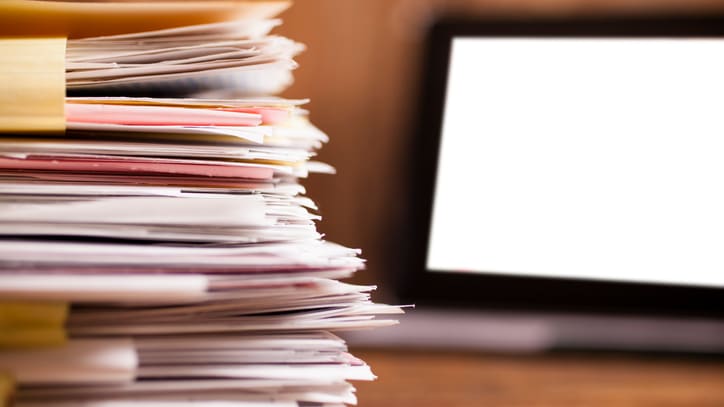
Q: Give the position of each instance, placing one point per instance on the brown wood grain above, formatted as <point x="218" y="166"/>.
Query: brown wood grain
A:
<point x="423" y="379"/>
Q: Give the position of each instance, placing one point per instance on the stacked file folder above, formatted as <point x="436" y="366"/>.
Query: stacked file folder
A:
<point x="159" y="249"/>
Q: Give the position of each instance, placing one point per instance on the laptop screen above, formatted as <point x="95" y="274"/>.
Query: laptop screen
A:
<point x="582" y="158"/>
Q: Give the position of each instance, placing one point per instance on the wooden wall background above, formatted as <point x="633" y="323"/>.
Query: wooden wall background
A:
<point x="361" y="71"/>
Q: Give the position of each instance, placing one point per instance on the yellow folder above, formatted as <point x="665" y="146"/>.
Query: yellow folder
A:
<point x="32" y="84"/>
<point x="32" y="324"/>
<point x="90" y="19"/>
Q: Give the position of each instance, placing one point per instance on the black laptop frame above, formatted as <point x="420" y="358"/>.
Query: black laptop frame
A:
<point x="496" y="291"/>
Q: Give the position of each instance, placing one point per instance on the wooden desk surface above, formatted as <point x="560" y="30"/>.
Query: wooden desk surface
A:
<point x="422" y="379"/>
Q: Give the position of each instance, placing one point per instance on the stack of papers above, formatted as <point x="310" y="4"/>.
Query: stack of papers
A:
<point x="236" y="55"/>
<point x="161" y="251"/>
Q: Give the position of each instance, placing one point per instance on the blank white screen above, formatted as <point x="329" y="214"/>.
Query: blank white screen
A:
<point x="583" y="158"/>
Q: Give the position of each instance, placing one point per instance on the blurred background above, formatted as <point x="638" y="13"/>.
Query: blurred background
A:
<point x="361" y="71"/>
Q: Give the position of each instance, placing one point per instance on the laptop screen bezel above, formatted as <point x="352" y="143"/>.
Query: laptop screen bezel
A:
<point x="491" y="291"/>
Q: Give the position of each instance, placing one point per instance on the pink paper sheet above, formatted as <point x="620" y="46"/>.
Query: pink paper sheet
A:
<point x="133" y="167"/>
<point x="158" y="115"/>
<point x="143" y="179"/>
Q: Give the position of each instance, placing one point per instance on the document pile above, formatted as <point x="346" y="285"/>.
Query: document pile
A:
<point x="159" y="250"/>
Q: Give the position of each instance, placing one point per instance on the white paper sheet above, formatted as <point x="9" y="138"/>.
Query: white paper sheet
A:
<point x="80" y="361"/>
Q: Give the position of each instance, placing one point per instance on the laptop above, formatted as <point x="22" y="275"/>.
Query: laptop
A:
<point x="567" y="188"/>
